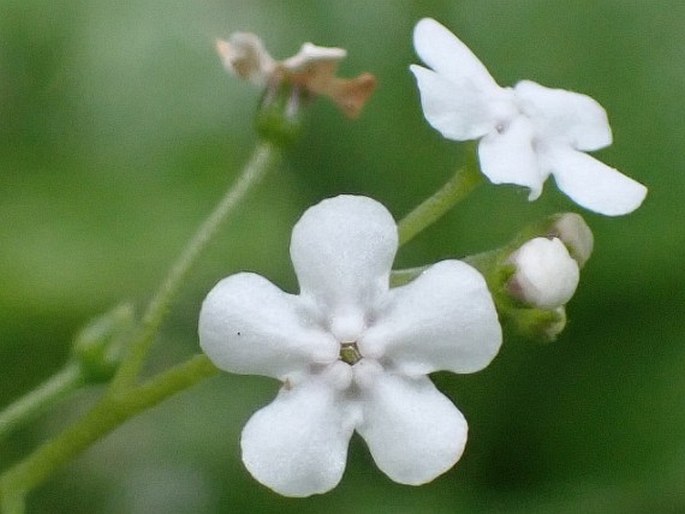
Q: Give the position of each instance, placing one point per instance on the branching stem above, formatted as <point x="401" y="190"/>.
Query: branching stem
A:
<point x="126" y="397"/>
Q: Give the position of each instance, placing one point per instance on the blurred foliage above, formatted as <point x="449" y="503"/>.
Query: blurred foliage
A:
<point x="119" y="130"/>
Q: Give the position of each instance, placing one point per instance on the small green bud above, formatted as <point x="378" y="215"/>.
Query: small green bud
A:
<point x="98" y="347"/>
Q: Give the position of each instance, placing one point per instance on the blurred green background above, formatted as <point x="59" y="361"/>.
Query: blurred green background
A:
<point x="119" y="130"/>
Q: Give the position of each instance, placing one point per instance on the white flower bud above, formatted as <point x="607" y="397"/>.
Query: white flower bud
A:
<point x="546" y="275"/>
<point x="576" y="235"/>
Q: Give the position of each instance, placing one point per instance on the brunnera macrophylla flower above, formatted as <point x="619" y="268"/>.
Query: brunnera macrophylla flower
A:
<point x="546" y="276"/>
<point x="526" y="132"/>
<point x="352" y="353"/>
<point x="313" y="69"/>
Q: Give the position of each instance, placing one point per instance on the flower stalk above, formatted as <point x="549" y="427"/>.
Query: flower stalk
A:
<point x="462" y="183"/>
<point x="265" y="157"/>
<point x="110" y="412"/>
<point x="54" y="389"/>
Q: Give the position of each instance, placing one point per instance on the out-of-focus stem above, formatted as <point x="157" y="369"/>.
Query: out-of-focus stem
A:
<point x="109" y="413"/>
<point x="264" y="158"/>
<point x="52" y="390"/>
<point x="462" y="183"/>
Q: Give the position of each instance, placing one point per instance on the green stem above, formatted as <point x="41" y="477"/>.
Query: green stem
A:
<point x="108" y="414"/>
<point x="173" y="380"/>
<point x="12" y="503"/>
<point x="432" y="209"/>
<point x="264" y="158"/>
<point x="25" y="409"/>
<point x="124" y="399"/>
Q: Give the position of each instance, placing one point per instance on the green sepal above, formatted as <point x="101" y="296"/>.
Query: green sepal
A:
<point x="535" y="324"/>
<point x="279" y="119"/>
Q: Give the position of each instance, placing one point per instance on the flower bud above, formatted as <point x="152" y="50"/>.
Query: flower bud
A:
<point x="545" y="275"/>
<point x="575" y="234"/>
<point x="98" y="346"/>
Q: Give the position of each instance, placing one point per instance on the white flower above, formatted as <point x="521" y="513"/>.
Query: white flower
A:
<point x="526" y="132"/>
<point x="313" y="69"/>
<point x="546" y="275"/>
<point x="352" y="353"/>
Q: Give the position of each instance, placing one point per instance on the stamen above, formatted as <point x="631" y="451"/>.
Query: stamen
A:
<point x="349" y="353"/>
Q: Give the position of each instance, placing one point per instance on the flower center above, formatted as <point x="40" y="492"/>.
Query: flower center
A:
<point x="349" y="353"/>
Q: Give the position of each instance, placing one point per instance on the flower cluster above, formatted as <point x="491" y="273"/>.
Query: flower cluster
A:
<point x="352" y="354"/>
<point x="526" y="132"/>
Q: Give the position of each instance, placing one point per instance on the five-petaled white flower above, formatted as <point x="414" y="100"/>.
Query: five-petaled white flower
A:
<point x="352" y="353"/>
<point x="526" y="132"/>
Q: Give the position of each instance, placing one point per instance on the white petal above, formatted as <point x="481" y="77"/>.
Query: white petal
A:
<point x="447" y="55"/>
<point x="457" y="110"/>
<point x="507" y="156"/>
<point x="297" y="445"/>
<point x="312" y="55"/>
<point x="443" y="320"/>
<point x="342" y="250"/>
<point x="248" y="325"/>
<point x="575" y="234"/>
<point x="574" y="118"/>
<point x="413" y="431"/>
<point x="594" y="185"/>
<point x="244" y="55"/>
<point x="546" y="275"/>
